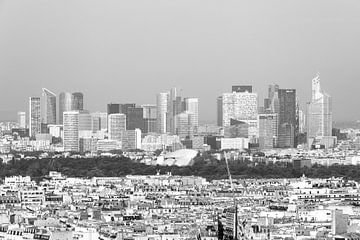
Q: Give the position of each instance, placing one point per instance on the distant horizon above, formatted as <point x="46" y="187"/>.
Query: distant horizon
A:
<point x="128" y="51"/>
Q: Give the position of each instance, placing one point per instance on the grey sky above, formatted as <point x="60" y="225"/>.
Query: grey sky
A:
<point x="127" y="51"/>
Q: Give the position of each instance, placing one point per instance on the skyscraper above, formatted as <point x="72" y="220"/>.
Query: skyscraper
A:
<point x="21" y="119"/>
<point x="34" y="116"/>
<point x="192" y="107"/>
<point x="113" y="108"/>
<point x="102" y="120"/>
<point x="219" y="105"/>
<point x="77" y="101"/>
<point x="65" y="104"/>
<point x="183" y="125"/>
<point x="162" y="111"/>
<point x="71" y="131"/>
<point x="288" y="115"/>
<point x="85" y="124"/>
<point x="240" y="106"/>
<point x="134" y="117"/>
<point x="319" y="112"/>
<point x="175" y="107"/>
<point x="116" y="126"/>
<point x="150" y="118"/>
<point x="268" y="128"/>
<point x="48" y="107"/>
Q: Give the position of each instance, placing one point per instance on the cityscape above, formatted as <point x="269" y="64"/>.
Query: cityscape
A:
<point x="179" y="120"/>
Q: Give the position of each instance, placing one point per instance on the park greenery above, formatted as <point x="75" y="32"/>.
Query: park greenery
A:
<point x="204" y="166"/>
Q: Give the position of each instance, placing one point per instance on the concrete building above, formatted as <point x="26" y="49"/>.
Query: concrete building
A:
<point x="71" y="131"/>
<point x="150" y="118"/>
<point x="268" y="127"/>
<point x="239" y="106"/>
<point x="116" y="126"/>
<point x="21" y="119"/>
<point x="65" y="104"/>
<point x="319" y="113"/>
<point x="162" y="111"/>
<point x="77" y="101"/>
<point x="48" y="107"/>
<point x="131" y="139"/>
<point x="34" y="116"/>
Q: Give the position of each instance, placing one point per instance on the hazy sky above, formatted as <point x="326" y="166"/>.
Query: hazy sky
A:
<point x="127" y="51"/>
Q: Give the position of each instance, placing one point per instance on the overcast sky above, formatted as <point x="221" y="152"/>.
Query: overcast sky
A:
<point x="129" y="50"/>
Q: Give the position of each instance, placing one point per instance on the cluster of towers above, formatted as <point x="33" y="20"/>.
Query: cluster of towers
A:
<point x="43" y="110"/>
<point x="279" y="122"/>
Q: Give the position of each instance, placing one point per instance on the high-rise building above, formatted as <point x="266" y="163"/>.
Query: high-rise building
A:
<point x="271" y="104"/>
<point x="77" y="101"/>
<point x="268" y="128"/>
<point x="34" y="116"/>
<point x="71" y="131"/>
<point x="65" y="104"/>
<point x="116" y="126"/>
<point x="192" y="107"/>
<point x="162" y="100"/>
<point x="48" y="107"/>
<point x="175" y="107"/>
<point x="183" y="125"/>
<point x="241" y="88"/>
<point x="134" y="117"/>
<point x="288" y="116"/>
<point x="239" y="106"/>
<point x="21" y="119"/>
<point x="319" y="113"/>
<point x="219" y="104"/>
<point x="131" y="139"/>
<point x="113" y="108"/>
<point x="85" y="124"/>
<point x="102" y="119"/>
<point x="150" y="118"/>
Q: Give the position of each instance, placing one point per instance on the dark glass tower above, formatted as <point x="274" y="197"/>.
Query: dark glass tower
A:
<point x="78" y="101"/>
<point x="288" y="115"/>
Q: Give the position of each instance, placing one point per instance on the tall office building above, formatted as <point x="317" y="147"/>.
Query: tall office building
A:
<point x="21" y="119"/>
<point x="175" y="107"/>
<point x="192" y="107"/>
<point x="65" y="104"/>
<point x="99" y="121"/>
<point x="131" y="139"/>
<point x="183" y="125"/>
<point x="271" y="104"/>
<point x="288" y="116"/>
<point x="150" y="118"/>
<point x="71" y="131"/>
<point x="162" y="100"/>
<point x="77" y="101"/>
<point x="268" y="128"/>
<point x="34" y="116"/>
<point x="113" y="108"/>
<point x="241" y="106"/>
<point x="85" y="124"/>
<point x="116" y="126"/>
<point x="48" y="107"/>
<point x="319" y="112"/>
<point x="134" y="117"/>
<point x="219" y="105"/>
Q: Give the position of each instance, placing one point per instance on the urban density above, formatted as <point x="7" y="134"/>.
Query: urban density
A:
<point x="251" y="134"/>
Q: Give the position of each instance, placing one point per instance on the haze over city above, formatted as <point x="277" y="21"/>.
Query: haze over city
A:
<point x="130" y="51"/>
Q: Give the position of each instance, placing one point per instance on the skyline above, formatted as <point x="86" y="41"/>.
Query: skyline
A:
<point x="147" y="47"/>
